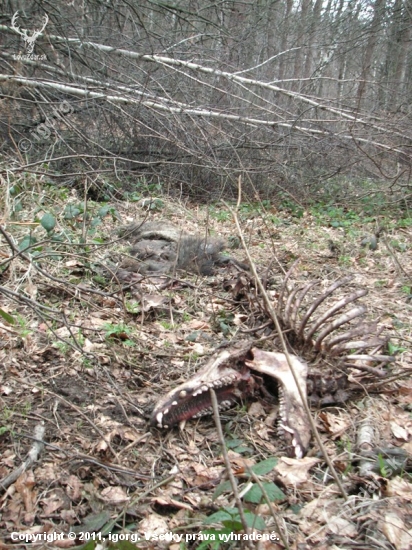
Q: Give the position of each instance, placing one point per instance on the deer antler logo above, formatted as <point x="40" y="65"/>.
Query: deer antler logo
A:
<point x="29" y="40"/>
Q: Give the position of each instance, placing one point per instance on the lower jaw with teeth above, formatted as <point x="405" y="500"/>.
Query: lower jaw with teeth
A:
<point x="180" y="412"/>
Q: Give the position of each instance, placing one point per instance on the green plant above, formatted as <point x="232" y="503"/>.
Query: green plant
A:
<point x="400" y="247"/>
<point x="7" y="317"/>
<point x="288" y="204"/>
<point x="61" y="346"/>
<point x="230" y="518"/>
<point x="6" y="413"/>
<point x="24" y="330"/>
<point x="393" y="349"/>
<point x="132" y="306"/>
<point x="407" y="289"/>
<point x="220" y="215"/>
<point x="231" y="521"/>
<point x="344" y="260"/>
<point x="404" y="222"/>
<point x="130" y="343"/>
<point x="167" y="325"/>
<point x="48" y="222"/>
<point x="119" y="331"/>
<point x="86" y="362"/>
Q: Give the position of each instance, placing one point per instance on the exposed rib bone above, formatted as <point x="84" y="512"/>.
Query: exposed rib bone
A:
<point x="332" y="310"/>
<point x="317" y="303"/>
<point x="290" y="305"/>
<point x="359" y="344"/>
<point x="296" y="305"/>
<point x="338" y="322"/>
<point x="360" y="330"/>
<point x="284" y="289"/>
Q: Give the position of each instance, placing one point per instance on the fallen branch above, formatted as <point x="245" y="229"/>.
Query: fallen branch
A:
<point x="32" y="457"/>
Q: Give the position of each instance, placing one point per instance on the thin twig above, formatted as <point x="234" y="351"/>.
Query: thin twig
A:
<point x="226" y="460"/>
<point x="32" y="457"/>
<point x="275" y="320"/>
<point x="272" y="511"/>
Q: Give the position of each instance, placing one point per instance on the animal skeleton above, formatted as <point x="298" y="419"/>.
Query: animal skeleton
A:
<point x="232" y="372"/>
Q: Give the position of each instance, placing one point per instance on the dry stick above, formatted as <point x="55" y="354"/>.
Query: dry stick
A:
<point x="226" y="460"/>
<point x="365" y="442"/>
<point x="275" y="320"/>
<point x="32" y="456"/>
<point x="395" y="259"/>
<point x="272" y="511"/>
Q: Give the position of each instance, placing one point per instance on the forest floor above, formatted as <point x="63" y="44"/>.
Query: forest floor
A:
<point x="84" y="361"/>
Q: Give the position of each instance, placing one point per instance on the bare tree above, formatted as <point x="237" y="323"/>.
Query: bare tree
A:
<point x="188" y="96"/>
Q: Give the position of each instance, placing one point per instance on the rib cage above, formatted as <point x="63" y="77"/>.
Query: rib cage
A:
<point x="333" y="330"/>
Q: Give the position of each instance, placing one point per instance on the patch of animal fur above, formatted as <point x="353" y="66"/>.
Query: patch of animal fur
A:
<point x="161" y="247"/>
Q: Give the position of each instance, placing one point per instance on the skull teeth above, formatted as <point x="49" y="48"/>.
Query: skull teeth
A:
<point x="159" y="418"/>
<point x="222" y="407"/>
<point x="225" y="381"/>
<point x="202" y="389"/>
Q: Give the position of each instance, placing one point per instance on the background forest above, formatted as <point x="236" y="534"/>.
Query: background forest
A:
<point x="296" y="96"/>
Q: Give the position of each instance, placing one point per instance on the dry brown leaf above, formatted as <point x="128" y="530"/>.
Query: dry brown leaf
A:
<point x="204" y="474"/>
<point x="73" y="263"/>
<point x="94" y="322"/>
<point x="177" y="300"/>
<point x="315" y="510"/>
<point x="65" y="543"/>
<point x="266" y="433"/>
<point x="239" y="319"/>
<point x="74" y="487"/>
<point x="114" y="495"/>
<point x="89" y="346"/>
<point x="69" y="516"/>
<point x="341" y="526"/>
<point x="335" y="424"/>
<point x="408" y="447"/>
<point x="64" y="332"/>
<point x="153" y="525"/>
<point x="169" y="501"/>
<point x="24" y="486"/>
<point x="399" y="431"/>
<point x="398" y="487"/>
<point x="395" y="531"/>
<point x="124" y="432"/>
<point x="270" y="419"/>
<point x="8" y="459"/>
<point x="197" y="324"/>
<point x="198" y="348"/>
<point x="154" y="301"/>
<point x="256" y="410"/>
<point x="52" y="503"/>
<point x="293" y="471"/>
